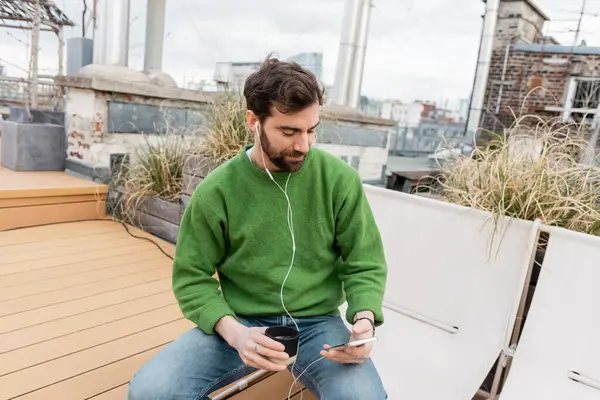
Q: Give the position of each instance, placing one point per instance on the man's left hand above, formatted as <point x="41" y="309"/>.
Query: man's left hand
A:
<point x="362" y="329"/>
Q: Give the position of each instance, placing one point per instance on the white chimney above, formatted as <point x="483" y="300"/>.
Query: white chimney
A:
<point x="352" y="53"/>
<point x="111" y="33"/>
<point x="483" y="66"/>
<point x="155" y="35"/>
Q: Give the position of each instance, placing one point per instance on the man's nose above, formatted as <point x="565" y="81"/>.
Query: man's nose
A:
<point x="302" y="144"/>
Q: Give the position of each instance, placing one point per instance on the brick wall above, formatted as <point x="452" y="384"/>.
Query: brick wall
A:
<point x="547" y="73"/>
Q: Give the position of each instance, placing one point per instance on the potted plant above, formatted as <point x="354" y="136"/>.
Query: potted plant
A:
<point x="151" y="183"/>
<point x="530" y="172"/>
<point x="226" y="137"/>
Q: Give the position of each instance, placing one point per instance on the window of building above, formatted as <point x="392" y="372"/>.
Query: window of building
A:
<point x="582" y="102"/>
<point x="587" y="94"/>
<point x="354" y="162"/>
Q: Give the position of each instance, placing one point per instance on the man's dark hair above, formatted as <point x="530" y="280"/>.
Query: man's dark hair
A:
<point x="283" y="84"/>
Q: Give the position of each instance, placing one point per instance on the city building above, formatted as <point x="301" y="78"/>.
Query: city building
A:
<point x="406" y="114"/>
<point x="231" y="76"/>
<point x="422" y="127"/>
<point x="370" y="106"/>
<point x="531" y="73"/>
<point x="311" y="61"/>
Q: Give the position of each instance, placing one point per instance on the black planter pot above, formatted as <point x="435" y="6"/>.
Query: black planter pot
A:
<point x="158" y="217"/>
<point x="195" y="169"/>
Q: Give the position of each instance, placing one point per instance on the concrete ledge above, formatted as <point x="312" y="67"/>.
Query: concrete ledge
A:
<point x="99" y="174"/>
<point x="357" y="135"/>
<point x="338" y="114"/>
<point x="140" y="89"/>
<point x="20" y="115"/>
<point x="33" y="147"/>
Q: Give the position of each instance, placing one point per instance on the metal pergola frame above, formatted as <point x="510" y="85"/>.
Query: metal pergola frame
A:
<point x="36" y="16"/>
<point x="23" y="11"/>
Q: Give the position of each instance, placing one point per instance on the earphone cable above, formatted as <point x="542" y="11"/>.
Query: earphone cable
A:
<point x="290" y="221"/>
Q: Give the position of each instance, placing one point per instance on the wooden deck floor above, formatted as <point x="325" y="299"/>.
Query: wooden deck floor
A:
<point x="35" y="198"/>
<point x="82" y="307"/>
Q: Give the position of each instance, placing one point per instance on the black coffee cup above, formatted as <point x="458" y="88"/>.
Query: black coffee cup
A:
<point x="287" y="336"/>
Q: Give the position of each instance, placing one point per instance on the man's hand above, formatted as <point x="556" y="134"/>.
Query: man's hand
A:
<point x="362" y="329"/>
<point x="252" y="345"/>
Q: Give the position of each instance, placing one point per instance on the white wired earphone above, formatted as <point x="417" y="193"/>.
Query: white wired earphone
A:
<point x="290" y="222"/>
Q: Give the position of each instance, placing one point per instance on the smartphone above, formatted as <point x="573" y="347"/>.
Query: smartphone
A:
<point x="354" y="343"/>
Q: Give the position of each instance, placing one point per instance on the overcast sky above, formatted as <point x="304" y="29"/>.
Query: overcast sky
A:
<point x="418" y="49"/>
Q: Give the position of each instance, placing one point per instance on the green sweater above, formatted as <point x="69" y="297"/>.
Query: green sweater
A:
<point x="236" y="225"/>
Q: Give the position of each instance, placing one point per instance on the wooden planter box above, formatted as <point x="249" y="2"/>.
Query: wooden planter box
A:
<point x="195" y="169"/>
<point x="159" y="217"/>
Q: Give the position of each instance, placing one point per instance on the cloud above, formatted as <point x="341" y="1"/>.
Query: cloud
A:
<point x="417" y="49"/>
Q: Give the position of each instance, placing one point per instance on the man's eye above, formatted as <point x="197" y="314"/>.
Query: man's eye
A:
<point x="288" y="133"/>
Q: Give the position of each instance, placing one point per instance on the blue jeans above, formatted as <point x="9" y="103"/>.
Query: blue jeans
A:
<point x="195" y="365"/>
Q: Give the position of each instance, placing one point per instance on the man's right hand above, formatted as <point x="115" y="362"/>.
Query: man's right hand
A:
<point x="252" y="345"/>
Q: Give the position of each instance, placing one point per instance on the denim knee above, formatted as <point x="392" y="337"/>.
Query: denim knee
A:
<point x="144" y="386"/>
<point x="354" y="390"/>
<point x="346" y="382"/>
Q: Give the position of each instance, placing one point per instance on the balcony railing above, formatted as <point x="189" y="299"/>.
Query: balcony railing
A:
<point x="15" y="90"/>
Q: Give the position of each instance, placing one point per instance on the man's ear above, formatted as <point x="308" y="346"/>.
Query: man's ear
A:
<point x="251" y="120"/>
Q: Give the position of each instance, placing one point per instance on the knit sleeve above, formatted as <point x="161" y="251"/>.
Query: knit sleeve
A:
<point x="363" y="270"/>
<point x="200" y="248"/>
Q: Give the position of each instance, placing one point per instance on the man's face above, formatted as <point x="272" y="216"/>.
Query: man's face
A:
<point x="287" y="138"/>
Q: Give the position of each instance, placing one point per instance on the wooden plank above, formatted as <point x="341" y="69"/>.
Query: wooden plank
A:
<point x="79" y="292"/>
<point x="58" y="260"/>
<point x="54" y="371"/>
<point x="89" y="384"/>
<point x="64" y="345"/>
<point x="53" y="329"/>
<point x="40" y="315"/>
<point x="116" y="239"/>
<point x="17" y="184"/>
<point x="87" y="188"/>
<point x="11" y="218"/>
<point x="50" y="285"/>
<point x="72" y="269"/>
<point x="61" y="243"/>
<point x="42" y="201"/>
<point x="57" y="231"/>
<point x="118" y="393"/>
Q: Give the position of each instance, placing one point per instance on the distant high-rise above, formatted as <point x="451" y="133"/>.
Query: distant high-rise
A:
<point x="311" y="61"/>
<point x="231" y="76"/>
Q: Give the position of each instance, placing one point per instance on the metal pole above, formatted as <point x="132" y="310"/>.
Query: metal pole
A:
<point x="499" y="100"/>
<point x="115" y="21"/>
<point x="241" y="385"/>
<point x="61" y="47"/>
<point x="35" y="40"/>
<point x="579" y="24"/>
<point x="98" y="28"/>
<point x="155" y="35"/>
<point x="360" y="55"/>
<point x="483" y="66"/>
<point x="593" y="143"/>
<point x="347" y="52"/>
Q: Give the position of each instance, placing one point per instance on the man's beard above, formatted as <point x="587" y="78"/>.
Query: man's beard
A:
<point x="279" y="158"/>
